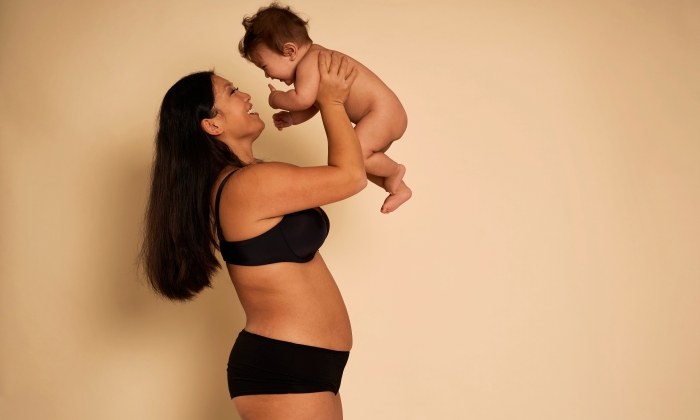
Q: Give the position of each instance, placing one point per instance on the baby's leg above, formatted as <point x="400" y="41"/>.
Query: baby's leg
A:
<point x="382" y="165"/>
<point x="376" y="133"/>
<point x="393" y="201"/>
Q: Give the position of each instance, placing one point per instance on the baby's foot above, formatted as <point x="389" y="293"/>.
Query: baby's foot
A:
<point x="391" y="183"/>
<point x="393" y="201"/>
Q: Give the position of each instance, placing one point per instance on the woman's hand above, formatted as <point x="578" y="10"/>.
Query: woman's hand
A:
<point x="282" y="120"/>
<point x="276" y="189"/>
<point x="335" y="83"/>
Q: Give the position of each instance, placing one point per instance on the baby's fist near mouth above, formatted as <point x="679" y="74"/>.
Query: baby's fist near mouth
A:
<point x="270" y="99"/>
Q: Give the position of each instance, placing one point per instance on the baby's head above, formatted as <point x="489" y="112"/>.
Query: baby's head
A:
<point x="272" y="40"/>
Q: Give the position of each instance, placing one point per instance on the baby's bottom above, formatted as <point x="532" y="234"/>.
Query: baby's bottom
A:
<point x="376" y="133"/>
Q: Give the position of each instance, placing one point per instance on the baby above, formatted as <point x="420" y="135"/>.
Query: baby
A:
<point x="276" y="40"/>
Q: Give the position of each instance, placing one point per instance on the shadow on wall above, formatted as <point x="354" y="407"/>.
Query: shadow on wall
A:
<point x="138" y="327"/>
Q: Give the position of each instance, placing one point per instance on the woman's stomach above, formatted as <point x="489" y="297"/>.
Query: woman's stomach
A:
<point x="299" y="303"/>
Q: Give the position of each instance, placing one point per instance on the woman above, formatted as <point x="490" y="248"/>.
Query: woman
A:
<point x="288" y="360"/>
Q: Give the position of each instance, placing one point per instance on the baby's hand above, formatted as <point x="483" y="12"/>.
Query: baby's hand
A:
<point x="282" y="120"/>
<point x="273" y="92"/>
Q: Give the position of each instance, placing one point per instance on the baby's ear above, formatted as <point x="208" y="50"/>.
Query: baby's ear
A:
<point x="290" y="50"/>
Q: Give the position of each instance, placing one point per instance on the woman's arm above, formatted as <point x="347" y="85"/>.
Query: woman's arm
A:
<point x="344" y="150"/>
<point x="274" y="189"/>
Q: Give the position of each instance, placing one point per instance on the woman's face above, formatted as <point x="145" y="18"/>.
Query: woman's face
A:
<point x="235" y="112"/>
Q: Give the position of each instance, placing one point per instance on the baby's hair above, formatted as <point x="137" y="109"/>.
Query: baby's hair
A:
<point x="273" y="26"/>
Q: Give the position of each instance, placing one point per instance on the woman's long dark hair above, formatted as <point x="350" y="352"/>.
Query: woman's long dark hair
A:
<point x="177" y="252"/>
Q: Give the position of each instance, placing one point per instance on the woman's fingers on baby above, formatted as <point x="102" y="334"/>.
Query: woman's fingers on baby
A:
<point x="335" y="63"/>
<point x="322" y="64"/>
<point x="352" y="76"/>
<point x="343" y="69"/>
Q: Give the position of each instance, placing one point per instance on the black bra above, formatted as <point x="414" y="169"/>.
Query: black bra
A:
<point x="296" y="238"/>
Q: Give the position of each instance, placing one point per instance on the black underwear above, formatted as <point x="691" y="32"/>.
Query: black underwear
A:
<point x="263" y="365"/>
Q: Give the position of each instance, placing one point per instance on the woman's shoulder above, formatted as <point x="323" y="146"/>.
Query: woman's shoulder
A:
<point x="253" y="177"/>
<point x="253" y="191"/>
<point x="263" y="167"/>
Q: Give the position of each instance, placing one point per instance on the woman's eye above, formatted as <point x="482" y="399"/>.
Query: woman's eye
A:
<point x="234" y="90"/>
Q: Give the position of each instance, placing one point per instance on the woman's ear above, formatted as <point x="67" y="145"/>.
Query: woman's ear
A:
<point x="212" y="126"/>
<point x="290" y="50"/>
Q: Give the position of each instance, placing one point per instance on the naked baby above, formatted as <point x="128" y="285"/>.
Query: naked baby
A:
<point x="276" y="40"/>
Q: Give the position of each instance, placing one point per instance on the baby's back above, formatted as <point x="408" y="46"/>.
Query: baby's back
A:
<point x="368" y="93"/>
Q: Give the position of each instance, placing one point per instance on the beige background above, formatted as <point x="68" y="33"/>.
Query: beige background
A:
<point x="548" y="266"/>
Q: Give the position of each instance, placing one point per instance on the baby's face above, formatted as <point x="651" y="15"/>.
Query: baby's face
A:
<point x="275" y="65"/>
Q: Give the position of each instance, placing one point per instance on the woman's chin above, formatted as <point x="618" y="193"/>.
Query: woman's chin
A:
<point x="255" y="116"/>
<point x="262" y="125"/>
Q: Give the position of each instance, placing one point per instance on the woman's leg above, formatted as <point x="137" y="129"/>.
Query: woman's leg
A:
<point x="312" y="406"/>
<point x="338" y="414"/>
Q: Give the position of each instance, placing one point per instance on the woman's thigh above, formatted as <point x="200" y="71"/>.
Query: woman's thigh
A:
<point x="310" y="406"/>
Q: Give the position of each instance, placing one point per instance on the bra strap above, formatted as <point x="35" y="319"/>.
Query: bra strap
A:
<point x="218" y="199"/>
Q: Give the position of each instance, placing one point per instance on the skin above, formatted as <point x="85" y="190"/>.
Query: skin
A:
<point x="299" y="303"/>
<point x="377" y="112"/>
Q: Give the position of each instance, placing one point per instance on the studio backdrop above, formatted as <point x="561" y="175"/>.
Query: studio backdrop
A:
<point x="547" y="266"/>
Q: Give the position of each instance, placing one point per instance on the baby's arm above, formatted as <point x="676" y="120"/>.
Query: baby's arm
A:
<point x="286" y="119"/>
<point x="299" y="117"/>
<point x="305" y="89"/>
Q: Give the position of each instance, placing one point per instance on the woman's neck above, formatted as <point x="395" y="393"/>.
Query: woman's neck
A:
<point x="245" y="155"/>
<point x="242" y="149"/>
